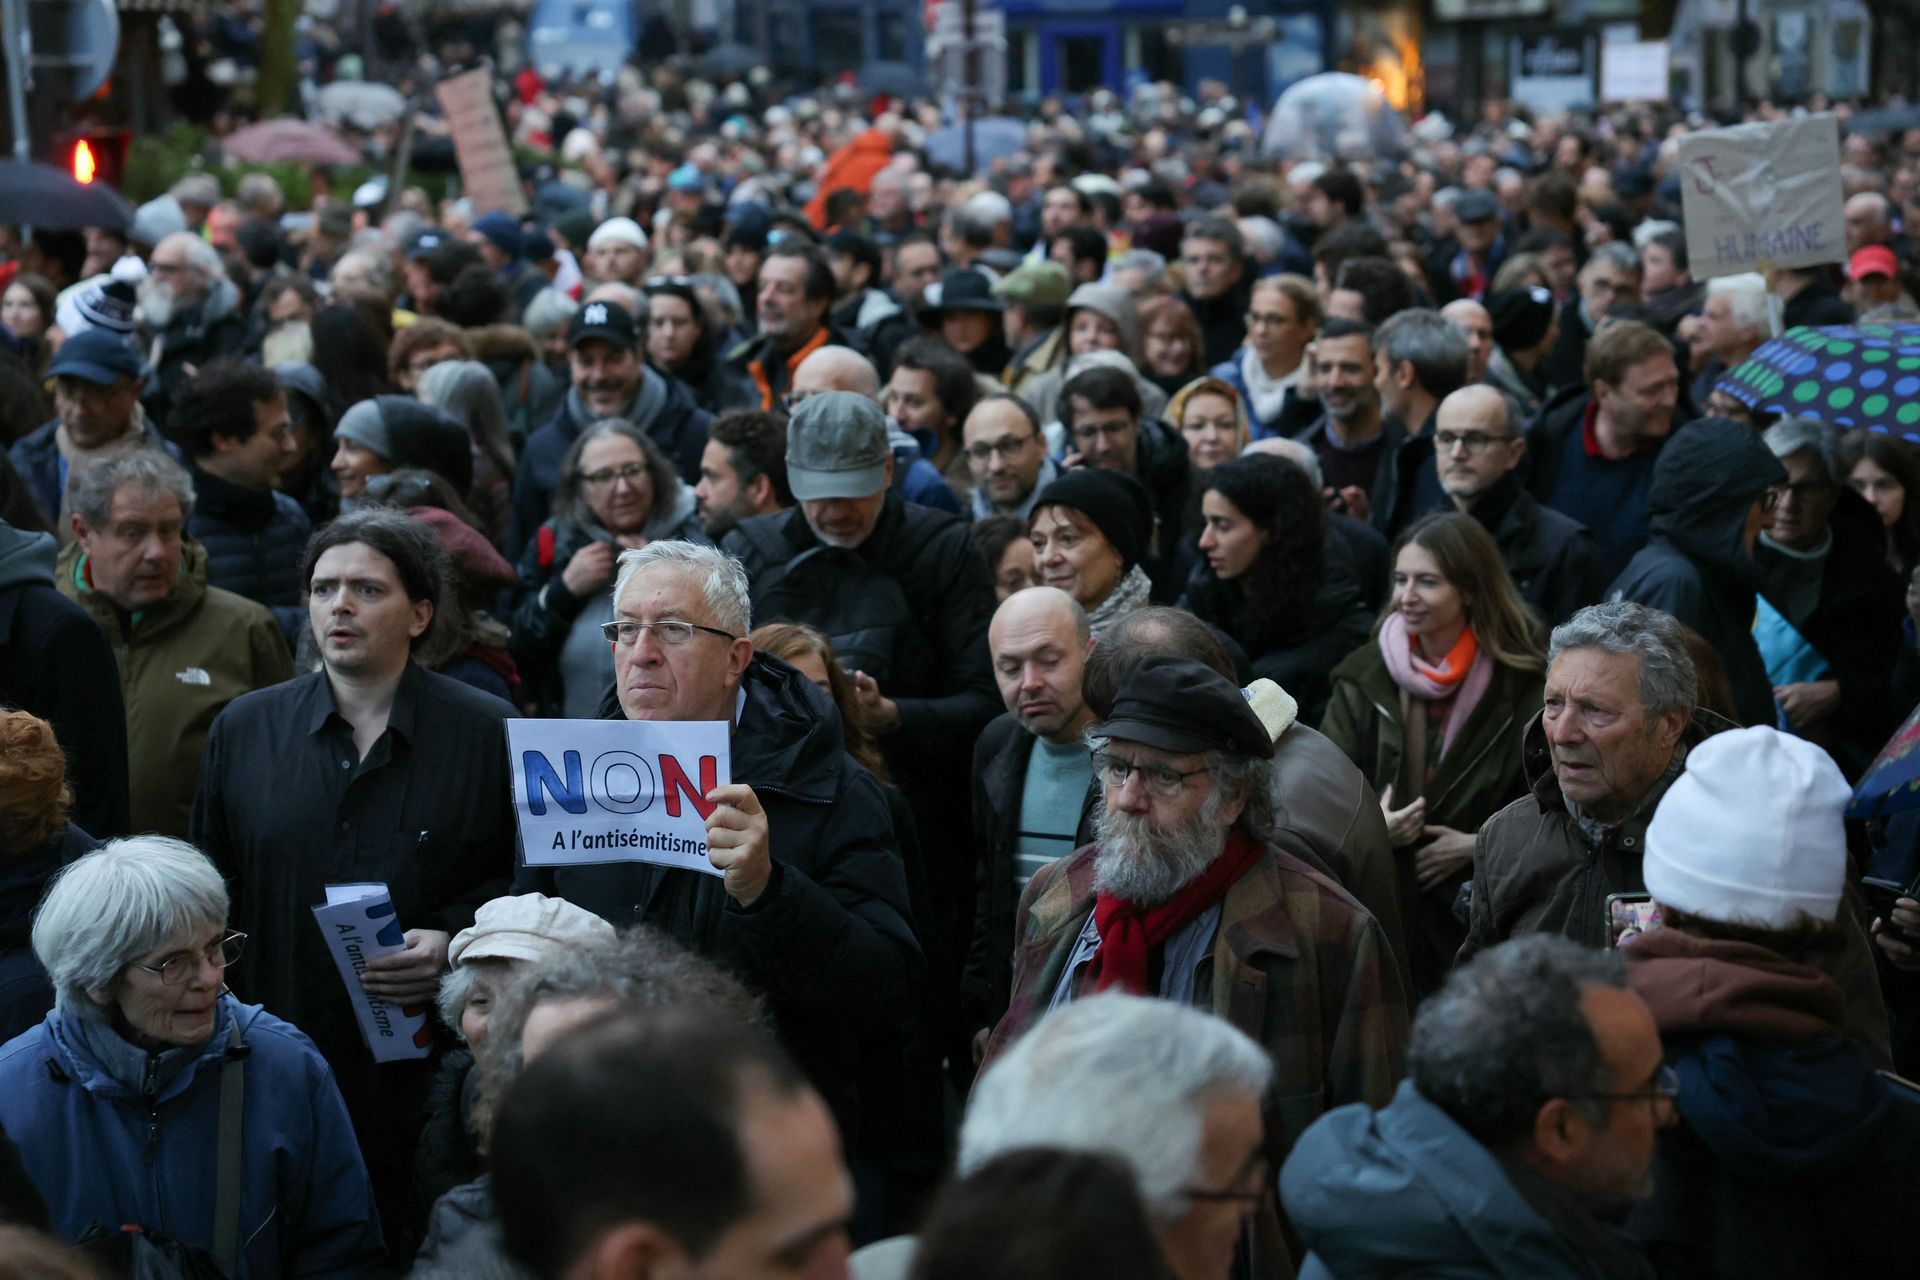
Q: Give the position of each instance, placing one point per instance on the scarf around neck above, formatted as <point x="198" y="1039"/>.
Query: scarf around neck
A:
<point x="1462" y="675"/>
<point x="1130" y="593"/>
<point x="1266" y="396"/>
<point x="1132" y="933"/>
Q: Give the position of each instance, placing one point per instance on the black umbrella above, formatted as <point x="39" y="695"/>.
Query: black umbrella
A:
<point x="726" y="61"/>
<point x="1884" y="120"/>
<point x="895" y="79"/>
<point x="39" y="195"/>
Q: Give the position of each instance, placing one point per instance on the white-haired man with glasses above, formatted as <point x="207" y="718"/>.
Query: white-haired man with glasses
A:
<point x="1183" y="895"/>
<point x="811" y="910"/>
<point x="152" y="1097"/>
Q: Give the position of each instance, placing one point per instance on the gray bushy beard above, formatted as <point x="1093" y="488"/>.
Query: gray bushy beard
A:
<point x="1146" y="864"/>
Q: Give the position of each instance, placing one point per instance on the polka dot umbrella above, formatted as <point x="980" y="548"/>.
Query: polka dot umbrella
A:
<point x="1846" y="376"/>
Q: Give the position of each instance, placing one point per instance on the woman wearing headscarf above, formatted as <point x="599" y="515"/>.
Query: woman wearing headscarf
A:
<point x="1432" y="711"/>
<point x="467" y="392"/>
<point x="684" y="343"/>
<point x="1272" y="579"/>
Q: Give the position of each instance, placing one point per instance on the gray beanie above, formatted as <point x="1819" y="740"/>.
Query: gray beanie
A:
<point x="1116" y="304"/>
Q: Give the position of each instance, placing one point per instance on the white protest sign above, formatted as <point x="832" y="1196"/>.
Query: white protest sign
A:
<point x="1762" y="195"/>
<point x="1634" y="71"/>
<point x="480" y="143"/>
<point x="617" y="790"/>
<point x="359" y="924"/>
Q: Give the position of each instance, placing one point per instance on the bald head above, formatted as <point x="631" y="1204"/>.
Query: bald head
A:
<point x="1040" y="640"/>
<point x="1300" y="455"/>
<point x="836" y="369"/>
<point x="1482" y="442"/>
<point x="1869" y="219"/>
<point x="621" y="294"/>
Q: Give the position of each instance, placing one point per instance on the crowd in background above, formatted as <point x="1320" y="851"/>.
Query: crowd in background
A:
<point x="1286" y="717"/>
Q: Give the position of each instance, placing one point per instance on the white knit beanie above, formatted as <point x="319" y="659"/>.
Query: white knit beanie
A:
<point x="1751" y="833"/>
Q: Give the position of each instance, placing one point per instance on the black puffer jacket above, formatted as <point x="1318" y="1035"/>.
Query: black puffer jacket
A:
<point x="255" y="543"/>
<point x="828" y="944"/>
<point x="1696" y="564"/>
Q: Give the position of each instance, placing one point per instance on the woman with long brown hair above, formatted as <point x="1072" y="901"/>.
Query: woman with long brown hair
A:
<point x="1431" y="710"/>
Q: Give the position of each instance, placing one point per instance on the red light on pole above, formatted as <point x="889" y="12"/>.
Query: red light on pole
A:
<point x="84" y="164"/>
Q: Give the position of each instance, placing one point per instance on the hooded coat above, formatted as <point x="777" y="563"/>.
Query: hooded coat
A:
<point x="827" y="945"/>
<point x="1793" y="1157"/>
<point x="1406" y="1192"/>
<point x="1696" y="564"/>
<point x="99" y="1152"/>
<point x="196" y="336"/>
<point x="556" y="634"/>
<point x="181" y="661"/>
<point x="663" y="408"/>
<point x="55" y="663"/>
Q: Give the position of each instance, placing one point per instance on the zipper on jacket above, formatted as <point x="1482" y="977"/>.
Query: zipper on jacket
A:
<point x="148" y="1089"/>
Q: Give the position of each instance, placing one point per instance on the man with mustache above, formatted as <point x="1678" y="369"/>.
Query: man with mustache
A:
<point x="1613" y="736"/>
<point x="184" y="649"/>
<point x="193" y="312"/>
<point x="1183" y="896"/>
<point x="610" y="380"/>
<point x="370" y="769"/>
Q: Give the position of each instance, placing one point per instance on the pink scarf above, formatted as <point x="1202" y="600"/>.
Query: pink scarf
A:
<point x="1429" y="683"/>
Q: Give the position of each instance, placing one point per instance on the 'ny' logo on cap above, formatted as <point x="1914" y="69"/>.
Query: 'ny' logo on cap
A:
<point x="595" y="314"/>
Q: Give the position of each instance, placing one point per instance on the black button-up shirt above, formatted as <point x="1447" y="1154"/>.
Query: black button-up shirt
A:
<point x="286" y="807"/>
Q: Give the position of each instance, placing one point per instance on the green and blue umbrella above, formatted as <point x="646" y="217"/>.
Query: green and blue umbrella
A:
<point x="1847" y="376"/>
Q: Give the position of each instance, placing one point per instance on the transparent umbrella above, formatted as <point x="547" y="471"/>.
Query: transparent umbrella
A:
<point x="1334" y="116"/>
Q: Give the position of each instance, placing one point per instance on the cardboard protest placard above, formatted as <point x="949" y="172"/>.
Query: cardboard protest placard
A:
<point x="359" y="924"/>
<point x="1762" y="195"/>
<point x="617" y="790"/>
<point x="487" y="171"/>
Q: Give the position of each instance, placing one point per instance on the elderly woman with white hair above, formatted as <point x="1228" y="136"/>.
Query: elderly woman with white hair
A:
<point x="152" y="1097"/>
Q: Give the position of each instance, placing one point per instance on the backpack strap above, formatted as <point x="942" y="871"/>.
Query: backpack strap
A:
<point x="226" y="1187"/>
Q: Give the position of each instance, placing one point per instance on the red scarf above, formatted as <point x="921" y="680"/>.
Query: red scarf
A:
<point x="1130" y="933"/>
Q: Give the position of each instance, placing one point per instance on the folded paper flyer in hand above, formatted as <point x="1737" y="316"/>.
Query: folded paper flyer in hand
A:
<point x="359" y="923"/>
<point x="617" y="790"/>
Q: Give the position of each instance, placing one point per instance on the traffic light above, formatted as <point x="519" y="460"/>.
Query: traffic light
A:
<point x="95" y="155"/>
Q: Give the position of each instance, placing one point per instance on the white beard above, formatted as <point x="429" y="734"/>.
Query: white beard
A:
<point x="156" y="304"/>
<point x="1145" y="864"/>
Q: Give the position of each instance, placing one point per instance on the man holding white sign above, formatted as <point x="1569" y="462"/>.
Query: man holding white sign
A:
<point x="809" y="907"/>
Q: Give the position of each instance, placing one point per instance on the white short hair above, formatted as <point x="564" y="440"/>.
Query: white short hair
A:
<point x="116" y="904"/>
<point x="723" y="579"/>
<point x="1746" y="296"/>
<point x="1121" y="1075"/>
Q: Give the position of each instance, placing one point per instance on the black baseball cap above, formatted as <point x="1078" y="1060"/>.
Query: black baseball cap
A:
<point x="1184" y="706"/>
<point x="604" y="322"/>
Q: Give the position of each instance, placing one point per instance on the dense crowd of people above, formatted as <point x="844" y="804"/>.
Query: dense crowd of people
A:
<point x="1284" y="718"/>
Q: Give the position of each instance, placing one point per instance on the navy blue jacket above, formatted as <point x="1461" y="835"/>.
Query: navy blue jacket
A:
<point x="679" y="427"/>
<point x="26" y="993"/>
<point x="37" y="458"/>
<point x="306" y="1207"/>
<point x="255" y="545"/>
